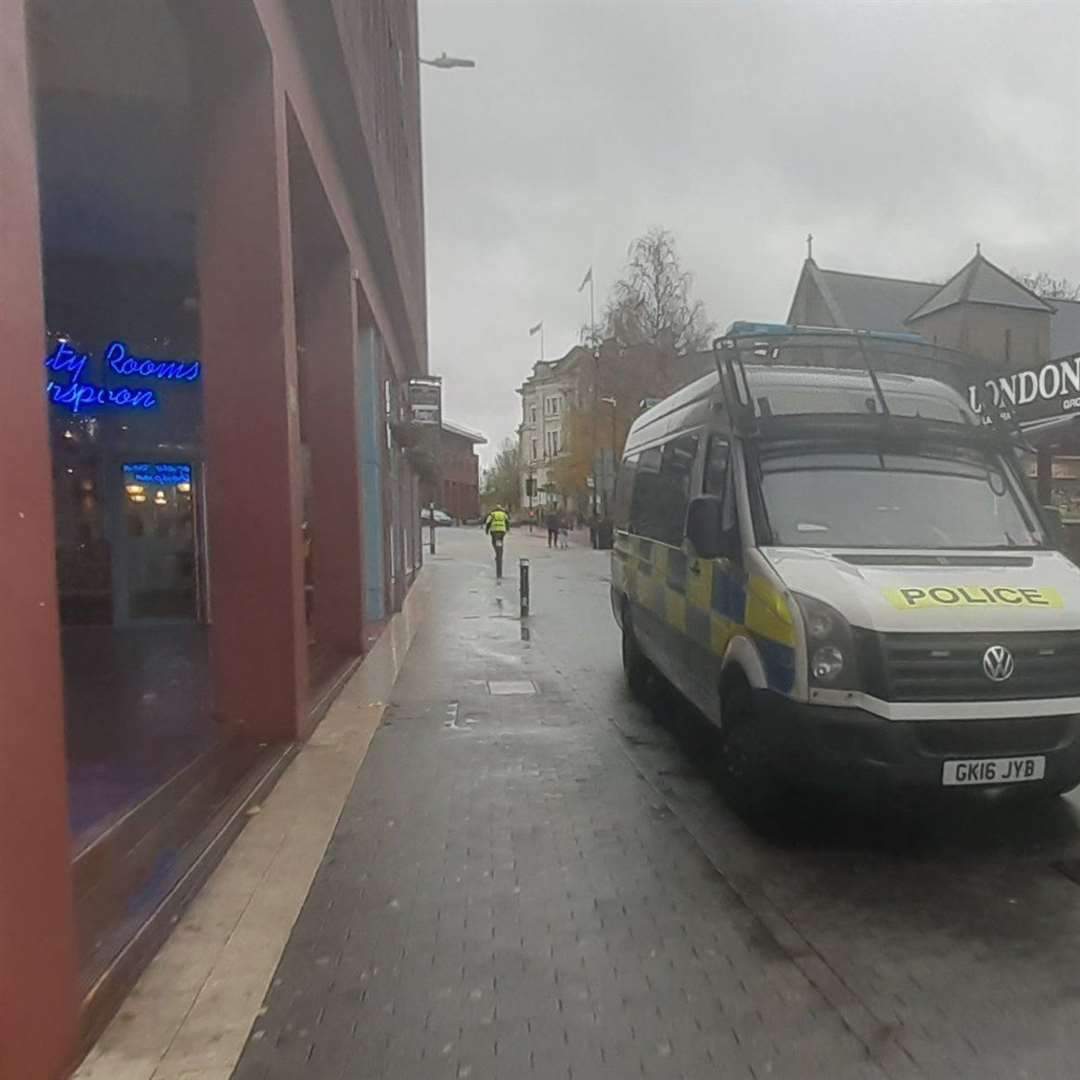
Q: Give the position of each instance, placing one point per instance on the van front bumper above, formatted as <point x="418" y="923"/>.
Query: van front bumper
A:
<point x="830" y="746"/>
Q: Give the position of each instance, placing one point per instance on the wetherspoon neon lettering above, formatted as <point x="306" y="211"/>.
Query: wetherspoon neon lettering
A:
<point x="78" y="394"/>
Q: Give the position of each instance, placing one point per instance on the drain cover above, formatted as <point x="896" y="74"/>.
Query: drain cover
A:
<point x="512" y="686"/>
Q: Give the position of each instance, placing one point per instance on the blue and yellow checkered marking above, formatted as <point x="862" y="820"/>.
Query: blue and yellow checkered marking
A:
<point x="710" y="605"/>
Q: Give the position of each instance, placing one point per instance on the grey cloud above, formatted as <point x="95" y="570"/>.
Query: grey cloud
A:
<point x="898" y="133"/>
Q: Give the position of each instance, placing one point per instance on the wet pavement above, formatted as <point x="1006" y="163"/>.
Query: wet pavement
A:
<point x="534" y="876"/>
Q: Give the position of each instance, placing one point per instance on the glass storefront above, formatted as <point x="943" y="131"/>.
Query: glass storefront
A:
<point x="123" y="377"/>
<point x="127" y="481"/>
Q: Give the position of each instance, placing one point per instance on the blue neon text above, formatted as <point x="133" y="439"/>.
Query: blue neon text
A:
<point x="157" y="473"/>
<point x="123" y="363"/>
<point x="78" y="394"/>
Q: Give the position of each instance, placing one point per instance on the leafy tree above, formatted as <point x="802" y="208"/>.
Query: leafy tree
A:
<point x="571" y="470"/>
<point x="502" y="481"/>
<point x="1049" y="288"/>
<point x="652" y="302"/>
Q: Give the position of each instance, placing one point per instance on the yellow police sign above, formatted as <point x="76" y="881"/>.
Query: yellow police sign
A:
<point x="933" y="596"/>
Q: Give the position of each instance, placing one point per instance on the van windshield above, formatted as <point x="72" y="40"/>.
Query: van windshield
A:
<point x="860" y="498"/>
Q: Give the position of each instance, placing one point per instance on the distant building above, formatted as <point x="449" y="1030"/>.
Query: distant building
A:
<point x="605" y="388"/>
<point x="546" y="395"/>
<point x="1030" y="344"/>
<point x="459" y="473"/>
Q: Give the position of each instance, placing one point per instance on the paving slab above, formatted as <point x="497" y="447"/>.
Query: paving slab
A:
<point x="506" y="894"/>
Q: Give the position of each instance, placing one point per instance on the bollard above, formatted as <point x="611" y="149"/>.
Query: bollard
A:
<point x="524" y="570"/>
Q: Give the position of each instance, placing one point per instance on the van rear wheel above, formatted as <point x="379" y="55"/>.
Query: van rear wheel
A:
<point x="636" y="666"/>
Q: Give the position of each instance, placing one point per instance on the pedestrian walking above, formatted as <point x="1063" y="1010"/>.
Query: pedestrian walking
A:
<point x="551" y="522"/>
<point x="564" y="531"/>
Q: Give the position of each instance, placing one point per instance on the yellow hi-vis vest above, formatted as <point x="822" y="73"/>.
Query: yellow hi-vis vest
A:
<point x="498" y="521"/>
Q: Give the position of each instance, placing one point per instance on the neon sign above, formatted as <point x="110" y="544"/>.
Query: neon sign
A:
<point x="157" y="473"/>
<point x="80" y="394"/>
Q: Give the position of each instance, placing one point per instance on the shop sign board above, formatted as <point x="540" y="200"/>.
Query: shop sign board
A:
<point x="425" y="400"/>
<point x="1032" y="394"/>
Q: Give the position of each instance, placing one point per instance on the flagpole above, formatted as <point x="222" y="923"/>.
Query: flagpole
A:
<point x="592" y="306"/>
<point x="541" y="342"/>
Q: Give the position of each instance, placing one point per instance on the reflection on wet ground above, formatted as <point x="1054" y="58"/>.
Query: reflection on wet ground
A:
<point x="962" y="825"/>
<point x="945" y="931"/>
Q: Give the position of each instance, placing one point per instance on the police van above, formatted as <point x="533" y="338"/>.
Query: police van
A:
<point x="835" y="557"/>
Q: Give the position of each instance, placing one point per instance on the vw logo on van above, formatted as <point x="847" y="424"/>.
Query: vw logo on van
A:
<point x="998" y="664"/>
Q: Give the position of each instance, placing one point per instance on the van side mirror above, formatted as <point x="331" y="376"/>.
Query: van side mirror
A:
<point x="705" y="528"/>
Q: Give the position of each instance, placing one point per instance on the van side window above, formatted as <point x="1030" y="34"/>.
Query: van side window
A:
<point x="643" y="520"/>
<point x="716" y="466"/>
<point x="662" y="490"/>
<point x="624" y="489"/>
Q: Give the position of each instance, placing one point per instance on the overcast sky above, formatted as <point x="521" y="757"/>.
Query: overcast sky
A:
<point x="898" y="133"/>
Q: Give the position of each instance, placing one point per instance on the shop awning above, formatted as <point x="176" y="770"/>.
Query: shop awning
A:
<point x="1051" y="431"/>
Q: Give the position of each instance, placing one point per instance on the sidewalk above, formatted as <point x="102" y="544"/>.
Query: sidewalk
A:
<point x="505" y="895"/>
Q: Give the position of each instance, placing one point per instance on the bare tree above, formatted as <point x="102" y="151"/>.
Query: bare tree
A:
<point x="652" y="304"/>
<point x="502" y="481"/>
<point x="1049" y="288"/>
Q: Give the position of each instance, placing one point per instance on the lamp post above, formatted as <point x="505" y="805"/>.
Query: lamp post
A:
<point x="595" y="410"/>
<point x="613" y="403"/>
<point x="443" y="62"/>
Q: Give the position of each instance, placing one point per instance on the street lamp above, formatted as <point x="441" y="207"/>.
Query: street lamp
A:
<point x="446" y="62"/>
<point x="613" y="403"/>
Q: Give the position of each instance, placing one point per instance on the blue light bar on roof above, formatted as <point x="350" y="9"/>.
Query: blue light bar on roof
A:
<point x="759" y="329"/>
<point x="756" y="329"/>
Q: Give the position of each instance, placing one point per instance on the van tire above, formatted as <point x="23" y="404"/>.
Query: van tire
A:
<point x="639" y="672"/>
<point x="749" y="774"/>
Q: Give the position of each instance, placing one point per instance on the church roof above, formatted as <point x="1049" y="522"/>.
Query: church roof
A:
<point x="869" y="302"/>
<point x="873" y="302"/>
<point x="980" y="282"/>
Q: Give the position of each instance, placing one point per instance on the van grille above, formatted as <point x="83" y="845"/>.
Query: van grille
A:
<point x="948" y="667"/>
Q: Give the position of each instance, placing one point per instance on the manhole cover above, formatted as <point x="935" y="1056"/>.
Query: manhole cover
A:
<point x="512" y="686"/>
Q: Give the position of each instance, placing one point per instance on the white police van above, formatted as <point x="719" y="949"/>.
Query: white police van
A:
<point x="827" y="550"/>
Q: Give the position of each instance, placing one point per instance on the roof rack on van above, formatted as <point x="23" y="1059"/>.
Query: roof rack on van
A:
<point x="757" y="344"/>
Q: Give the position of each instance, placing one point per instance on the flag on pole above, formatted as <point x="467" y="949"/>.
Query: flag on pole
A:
<point x="587" y="279"/>
<point x="533" y="330"/>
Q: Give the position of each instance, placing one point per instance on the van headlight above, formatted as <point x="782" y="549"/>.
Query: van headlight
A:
<point x="832" y="660"/>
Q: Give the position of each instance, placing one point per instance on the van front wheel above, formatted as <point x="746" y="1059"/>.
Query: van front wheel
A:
<point x="750" y="774"/>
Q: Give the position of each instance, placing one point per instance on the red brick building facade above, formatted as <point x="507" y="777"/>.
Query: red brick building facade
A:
<point x="459" y="472"/>
<point x="212" y="234"/>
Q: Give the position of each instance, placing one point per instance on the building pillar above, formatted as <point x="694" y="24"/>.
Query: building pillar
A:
<point x="332" y="386"/>
<point x="38" y="987"/>
<point x="250" y="399"/>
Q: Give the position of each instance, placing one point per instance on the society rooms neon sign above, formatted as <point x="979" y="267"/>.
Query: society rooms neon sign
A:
<point x="78" y="394"/>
